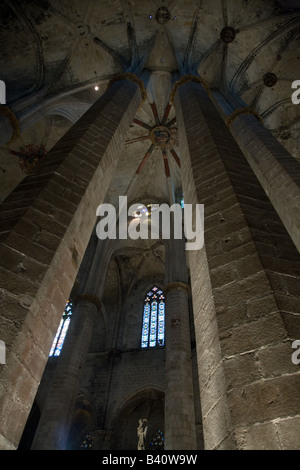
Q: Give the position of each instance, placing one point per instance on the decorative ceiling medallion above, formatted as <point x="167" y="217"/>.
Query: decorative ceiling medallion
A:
<point x="269" y="79"/>
<point x="83" y="30"/>
<point x="163" y="15"/>
<point x="160" y="136"/>
<point x="228" y="34"/>
<point x="163" y="135"/>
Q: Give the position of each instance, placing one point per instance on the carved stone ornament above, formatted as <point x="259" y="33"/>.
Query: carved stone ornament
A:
<point x="228" y="34"/>
<point x="269" y="79"/>
<point x="185" y="79"/>
<point x="163" y="15"/>
<point x="142" y="433"/>
<point x="242" y="112"/>
<point x="160" y="136"/>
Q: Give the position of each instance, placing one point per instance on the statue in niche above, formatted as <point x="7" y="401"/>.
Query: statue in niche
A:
<point x="141" y="433"/>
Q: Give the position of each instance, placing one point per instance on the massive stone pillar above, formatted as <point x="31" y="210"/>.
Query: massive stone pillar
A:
<point x="245" y="287"/>
<point x="276" y="169"/>
<point x="57" y="413"/>
<point x="56" y="419"/>
<point x="179" y="396"/>
<point x="45" y="227"/>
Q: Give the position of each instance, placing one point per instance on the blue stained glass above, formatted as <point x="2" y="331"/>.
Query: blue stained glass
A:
<point x="157" y="441"/>
<point x="161" y="324"/>
<point x="62" y="336"/>
<point x="153" y="324"/>
<point x="145" y="331"/>
<point x="62" y="331"/>
<point x="153" y="329"/>
<point x="56" y="338"/>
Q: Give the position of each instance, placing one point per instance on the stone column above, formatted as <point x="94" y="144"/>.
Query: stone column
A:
<point x="57" y="413"/>
<point x="249" y="387"/>
<point x="45" y="226"/>
<point x="276" y="169"/>
<point x="56" y="419"/>
<point x="179" y="395"/>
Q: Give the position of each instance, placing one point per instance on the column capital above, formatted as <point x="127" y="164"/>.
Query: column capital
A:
<point x="177" y="285"/>
<point x="185" y="79"/>
<point x="133" y="78"/>
<point x="89" y="298"/>
<point x="242" y="112"/>
<point x="6" y="112"/>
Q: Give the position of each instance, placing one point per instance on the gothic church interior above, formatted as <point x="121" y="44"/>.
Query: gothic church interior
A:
<point x="125" y="343"/>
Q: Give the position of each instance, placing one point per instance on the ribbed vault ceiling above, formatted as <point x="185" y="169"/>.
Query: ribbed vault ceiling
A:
<point x="54" y="52"/>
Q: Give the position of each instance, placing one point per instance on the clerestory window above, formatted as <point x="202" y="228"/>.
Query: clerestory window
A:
<point x="62" y="331"/>
<point x="153" y="329"/>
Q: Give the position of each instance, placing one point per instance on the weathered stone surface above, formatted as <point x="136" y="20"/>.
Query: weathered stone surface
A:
<point x="57" y="248"/>
<point x="243" y="335"/>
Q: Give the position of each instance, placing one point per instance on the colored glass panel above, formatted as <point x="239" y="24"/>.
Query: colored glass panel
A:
<point x="62" y="331"/>
<point x="161" y="324"/>
<point x="56" y="338"/>
<point x="153" y="329"/>
<point x="153" y="325"/>
<point x="146" y="321"/>
<point x="157" y="441"/>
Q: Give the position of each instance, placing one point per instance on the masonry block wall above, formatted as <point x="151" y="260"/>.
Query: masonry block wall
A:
<point x="117" y="373"/>
<point x="180" y="406"/>
<point x="115" y="376"/>
<point x="196" y="390"/>
<point x="123" y="384"/>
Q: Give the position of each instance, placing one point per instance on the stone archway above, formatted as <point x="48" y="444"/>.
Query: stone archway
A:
<point x="147" y="404"/>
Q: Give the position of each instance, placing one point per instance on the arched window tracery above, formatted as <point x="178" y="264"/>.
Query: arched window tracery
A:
<point x="153" y="329"/>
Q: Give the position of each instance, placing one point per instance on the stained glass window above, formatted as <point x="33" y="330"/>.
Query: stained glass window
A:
<point x="62" y="331"/>
<point x="87" y="442"/>
<point x="157" y="441"/>
<point x="153" y="329"/>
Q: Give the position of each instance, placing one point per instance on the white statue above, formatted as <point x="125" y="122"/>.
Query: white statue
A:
<point x="141" y="433"/>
